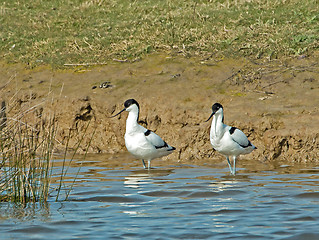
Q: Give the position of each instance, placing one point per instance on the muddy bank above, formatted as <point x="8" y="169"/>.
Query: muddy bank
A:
<point x="274" y="103"/>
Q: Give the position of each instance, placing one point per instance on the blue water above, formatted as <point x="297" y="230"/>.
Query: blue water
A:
<point x="174" y="202"/>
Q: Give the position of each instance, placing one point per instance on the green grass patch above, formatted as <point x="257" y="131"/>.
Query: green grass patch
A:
<point x="95" y="31"/>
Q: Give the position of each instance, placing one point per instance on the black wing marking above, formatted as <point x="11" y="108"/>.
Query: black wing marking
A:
<point x="148" y="132"/>
<point x="232" y="130"/>
<point x="249" y="144"/>
<point x="163" y="146"/>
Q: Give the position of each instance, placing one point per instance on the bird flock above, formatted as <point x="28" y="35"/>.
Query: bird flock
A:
<point x="146" y="145"/>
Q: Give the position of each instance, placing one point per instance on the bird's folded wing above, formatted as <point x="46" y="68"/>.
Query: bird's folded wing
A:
<point x="239" y="137"/>
<point x="155" y="140"/>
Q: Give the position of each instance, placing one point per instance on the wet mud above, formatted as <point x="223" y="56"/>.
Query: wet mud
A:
<point x="274" y="102"/>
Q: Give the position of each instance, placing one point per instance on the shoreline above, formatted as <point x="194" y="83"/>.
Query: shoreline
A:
<point x="275" y="103"/>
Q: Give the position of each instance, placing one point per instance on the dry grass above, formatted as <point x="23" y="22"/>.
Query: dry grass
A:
<point x="59" y="32"/>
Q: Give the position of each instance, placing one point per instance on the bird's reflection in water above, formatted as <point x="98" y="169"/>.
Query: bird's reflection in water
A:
<point x="141" y="177"/>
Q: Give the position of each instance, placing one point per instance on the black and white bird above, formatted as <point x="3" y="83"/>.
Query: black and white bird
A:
<point x="139" y="141"/>
<point x="229" y="141"/>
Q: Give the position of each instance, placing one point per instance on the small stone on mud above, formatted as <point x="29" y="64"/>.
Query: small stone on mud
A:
<point x="264" y="98"/>
<point x="105" y="85"/>
<point x="176" y="75"/>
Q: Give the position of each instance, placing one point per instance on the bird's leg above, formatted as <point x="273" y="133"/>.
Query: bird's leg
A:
<point x="143" y="164"/>
<point x="229" y="165"/>
<point x="149" y="165"/>
<point x="234" y="166"/>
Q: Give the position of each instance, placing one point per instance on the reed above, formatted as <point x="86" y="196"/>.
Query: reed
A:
<point x="26" y="153"/>
<point x="26" y="157"/>
<point x="66" y="185"/>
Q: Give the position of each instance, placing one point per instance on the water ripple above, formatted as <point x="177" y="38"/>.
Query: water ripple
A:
<point x="184" y="202"/>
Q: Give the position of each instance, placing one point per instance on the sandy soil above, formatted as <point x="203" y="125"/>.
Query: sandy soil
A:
<point x="275" y="103"/>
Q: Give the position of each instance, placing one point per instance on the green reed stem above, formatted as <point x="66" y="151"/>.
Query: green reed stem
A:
<point x="86" y="151"/>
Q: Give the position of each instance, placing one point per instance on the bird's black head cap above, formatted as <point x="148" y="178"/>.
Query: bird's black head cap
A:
<point x="130" y="102"/>
<point x="127" y="104"/>
<point x="216" y="107"/>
